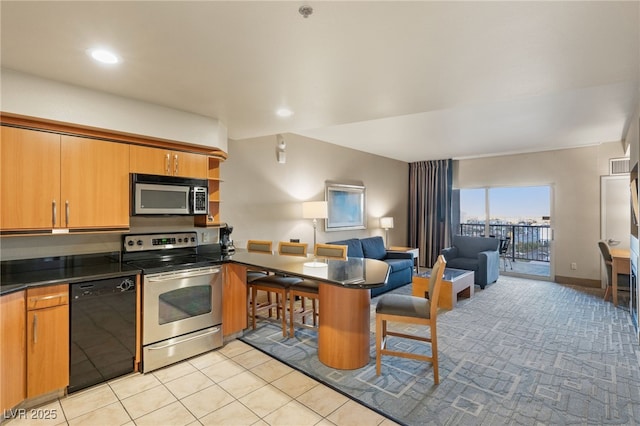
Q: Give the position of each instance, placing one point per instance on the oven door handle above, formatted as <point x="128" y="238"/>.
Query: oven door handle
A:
<point x="177" y="275"/>
<point x="212" y="331"/>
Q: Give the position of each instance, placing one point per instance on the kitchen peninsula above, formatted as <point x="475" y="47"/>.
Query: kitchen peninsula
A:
<point x="343" y="333"/>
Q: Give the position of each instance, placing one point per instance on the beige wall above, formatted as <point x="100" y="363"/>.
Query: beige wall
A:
<point x="574" y="175"/>
<point x="262" y="199"/>
<point x="33" y="96"/>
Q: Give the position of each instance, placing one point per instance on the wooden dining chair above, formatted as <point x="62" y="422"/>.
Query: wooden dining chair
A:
<point x="278" y="285"/>
<point x="258" y="246"/>
<point x="332" y="251"/>
<point x="309" y="289"/>
<point x="259" y="303"/>
<point x="286" y="248"/>
<point x="410" y="310"/>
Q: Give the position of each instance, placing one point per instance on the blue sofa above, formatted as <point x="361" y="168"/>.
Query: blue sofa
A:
<point x="401" y="264"/>
<point x="476" y="254"/>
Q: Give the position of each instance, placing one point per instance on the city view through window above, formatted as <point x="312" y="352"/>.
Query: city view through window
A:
<point x="520" y="215"/>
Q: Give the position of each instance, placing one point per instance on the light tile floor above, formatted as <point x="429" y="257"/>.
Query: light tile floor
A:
<point x="235" y="385"/>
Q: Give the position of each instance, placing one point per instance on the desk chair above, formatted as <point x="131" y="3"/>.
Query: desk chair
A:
<point x="503" y="250"/>
<point x="410" y="310"/>
<point x="309" y="289"/>
<point x="623" y="279"/>
<point x="278" y="285"/>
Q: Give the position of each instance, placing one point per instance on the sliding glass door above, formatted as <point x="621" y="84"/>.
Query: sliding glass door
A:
<point x="519" y="216"/>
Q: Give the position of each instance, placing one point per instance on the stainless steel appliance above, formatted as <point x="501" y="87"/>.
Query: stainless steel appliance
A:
<point x="181" y="296"/>
<point x="168" y="195"/>
<point x="103" y="331"/>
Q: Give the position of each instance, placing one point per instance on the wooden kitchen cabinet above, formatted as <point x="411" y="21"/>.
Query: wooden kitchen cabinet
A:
<point x="47" y="339"/>
<point x="95" y="183"/>
<point x="234" y="299"/>
<point x="158" y="161"/>
<point x="53" y="182"/>
<point x="13" y="388"/>
<point x="30" y="173"/>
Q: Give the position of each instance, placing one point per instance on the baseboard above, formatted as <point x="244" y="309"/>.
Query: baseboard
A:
<point x="583" y="282"/>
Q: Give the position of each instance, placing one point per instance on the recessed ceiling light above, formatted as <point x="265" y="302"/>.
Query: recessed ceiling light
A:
<point x="284" y="112"/>
<point x="104" y="56"/>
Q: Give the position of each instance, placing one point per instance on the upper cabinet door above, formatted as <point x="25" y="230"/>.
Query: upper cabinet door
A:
<point x="151" y="161"/>
<point x="186" y="164"/>
<point x="158" y="161"/>
<point x="94" y="183"/>
<point x="30" y="179"/>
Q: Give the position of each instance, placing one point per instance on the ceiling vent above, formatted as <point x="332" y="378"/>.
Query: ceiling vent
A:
<point x="619" y="166"/>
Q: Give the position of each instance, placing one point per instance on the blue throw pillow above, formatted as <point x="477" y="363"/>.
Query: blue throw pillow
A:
<point x="373" y="248"/>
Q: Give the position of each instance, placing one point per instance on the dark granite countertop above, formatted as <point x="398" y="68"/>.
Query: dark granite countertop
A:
<point x="16" y="275"/>
<point x="354" y="272"/>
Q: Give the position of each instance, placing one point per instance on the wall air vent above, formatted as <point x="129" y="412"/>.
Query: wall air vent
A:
<point x="619" y="166"/>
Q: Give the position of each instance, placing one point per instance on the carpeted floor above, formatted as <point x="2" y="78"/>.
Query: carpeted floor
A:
<point x="519" y="352"/>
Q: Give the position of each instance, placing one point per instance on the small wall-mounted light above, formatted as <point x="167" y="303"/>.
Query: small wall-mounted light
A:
<point x="281" y="155"/>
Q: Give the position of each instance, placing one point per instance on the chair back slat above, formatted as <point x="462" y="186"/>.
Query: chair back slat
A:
<point x="292" y="249"/>
<point x="333" y="251"/>
<point x="435" y="281"/>
<point x="260" y="246"/>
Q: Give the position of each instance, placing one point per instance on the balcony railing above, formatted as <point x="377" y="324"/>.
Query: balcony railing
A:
<point x="528" y="242"/>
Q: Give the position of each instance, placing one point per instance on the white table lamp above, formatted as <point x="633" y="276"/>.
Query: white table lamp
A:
<point x="386" y="223"/>
<point x="314" y="210"/>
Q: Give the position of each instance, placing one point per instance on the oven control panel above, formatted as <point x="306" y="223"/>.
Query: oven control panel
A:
<point x="144" y="242"/>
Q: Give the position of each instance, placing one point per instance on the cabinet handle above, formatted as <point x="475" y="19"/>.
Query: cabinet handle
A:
<point x="66" y="208"/>
<point x="167" y="165"/>
<point x="175" y="164"/>
<point x="54" y="211"/>
<point x="52" y="296"/>
<point x="35" y="328"/>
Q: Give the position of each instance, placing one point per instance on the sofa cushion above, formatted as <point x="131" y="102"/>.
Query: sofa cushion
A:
<point x="471" y="246"/>
<point x="399" y="264"/>
<point x="373" y="248"/>
<point x="463" y="263"/>
<point x="354" y="248"/>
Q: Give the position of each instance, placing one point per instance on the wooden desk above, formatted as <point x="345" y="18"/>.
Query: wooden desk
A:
<point x="344" y="296"/>
<point x="620" y="264"/>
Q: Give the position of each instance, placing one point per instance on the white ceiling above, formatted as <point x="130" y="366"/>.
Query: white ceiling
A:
<point x="407" y="80"/>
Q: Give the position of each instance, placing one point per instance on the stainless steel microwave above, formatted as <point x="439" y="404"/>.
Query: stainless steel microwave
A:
<point x="168" y="195"/>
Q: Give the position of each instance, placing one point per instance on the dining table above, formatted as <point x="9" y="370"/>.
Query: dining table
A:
<point x="620" y="264"/>
<point x="344" y="297"/>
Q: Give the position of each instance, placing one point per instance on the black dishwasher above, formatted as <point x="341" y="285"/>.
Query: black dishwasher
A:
<point x="103" y="331"/>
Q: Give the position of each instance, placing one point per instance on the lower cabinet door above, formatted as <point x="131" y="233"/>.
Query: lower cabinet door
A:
<point x="12" y="342"/>
<point x="47" y="350"/>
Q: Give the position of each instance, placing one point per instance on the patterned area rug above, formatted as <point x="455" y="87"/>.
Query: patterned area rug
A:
<point x="519" y="352"/>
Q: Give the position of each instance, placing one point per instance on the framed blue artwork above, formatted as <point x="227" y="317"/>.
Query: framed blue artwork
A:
<point x="346" y="206"/>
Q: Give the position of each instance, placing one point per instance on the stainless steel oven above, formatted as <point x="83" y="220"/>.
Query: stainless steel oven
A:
<point x="181" y="297"/>
<point x="182" y="315"/>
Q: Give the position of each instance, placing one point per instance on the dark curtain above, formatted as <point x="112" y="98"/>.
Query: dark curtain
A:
<point x="430" y="190"/>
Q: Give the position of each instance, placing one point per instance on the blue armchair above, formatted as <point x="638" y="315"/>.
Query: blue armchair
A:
<point x="476" y="254"/>
<point x="401" y="264"/>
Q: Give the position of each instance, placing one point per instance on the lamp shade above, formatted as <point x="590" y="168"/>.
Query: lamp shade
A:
<point x="314" y="210"/>
<point x="386" y="222"/>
